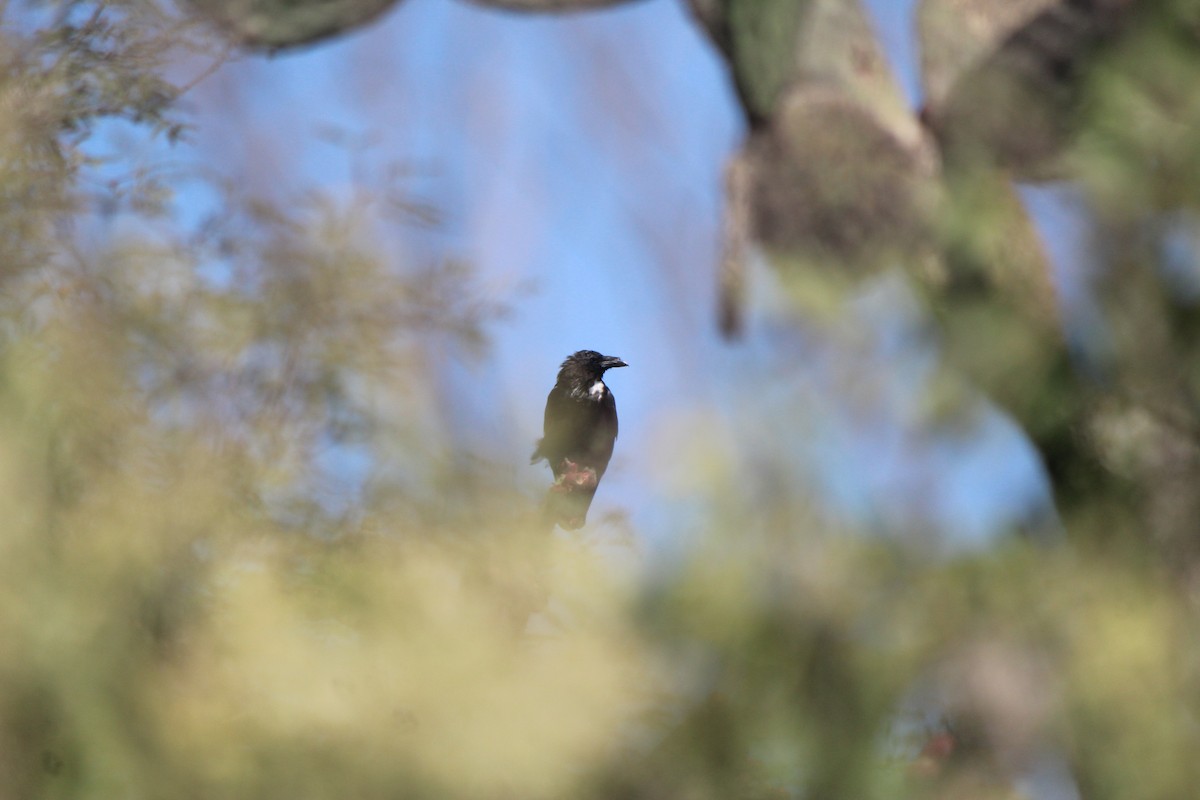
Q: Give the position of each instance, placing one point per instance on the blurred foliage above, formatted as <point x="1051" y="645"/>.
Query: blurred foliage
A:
<point x="956" y="34"/>
<point x="274" y="25"/>
<point x="1086" y="92"/>
<point x="836" y="186"/>
<point x="195" y="601"/>
<point x="548" y="5"/>
<point x="84" y="66"/>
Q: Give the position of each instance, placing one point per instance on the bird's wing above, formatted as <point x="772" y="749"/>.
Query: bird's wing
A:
<point x="602" y="434"/>
<point x="557" y="426"/>
<point x="610" y="411"/>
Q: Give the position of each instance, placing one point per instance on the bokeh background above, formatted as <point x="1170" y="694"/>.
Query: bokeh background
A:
<point x="575" y="162"/>
<point x="904" y="499"/>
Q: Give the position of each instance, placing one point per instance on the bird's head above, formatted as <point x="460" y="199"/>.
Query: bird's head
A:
<point x="587" y="365"/>
<point x="591" y="364"/>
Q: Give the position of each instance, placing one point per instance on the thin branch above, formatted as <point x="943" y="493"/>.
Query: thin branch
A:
<point x="208" y="71"/>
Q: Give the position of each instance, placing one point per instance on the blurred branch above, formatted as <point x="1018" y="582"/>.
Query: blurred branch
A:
<point x="735" y="242"/>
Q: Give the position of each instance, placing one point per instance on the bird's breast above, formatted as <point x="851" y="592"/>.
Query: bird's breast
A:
<point x="598" y="390"/>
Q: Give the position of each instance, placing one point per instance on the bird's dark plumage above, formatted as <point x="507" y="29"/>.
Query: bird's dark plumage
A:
<point x="579" y="433"/>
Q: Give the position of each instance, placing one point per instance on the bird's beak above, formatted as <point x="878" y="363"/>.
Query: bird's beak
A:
<point x="610" y="362"/>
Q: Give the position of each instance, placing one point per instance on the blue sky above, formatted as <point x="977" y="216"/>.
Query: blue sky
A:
<point x="576" y="161"/>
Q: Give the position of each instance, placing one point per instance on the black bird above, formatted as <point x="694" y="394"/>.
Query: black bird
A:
<point x="580" y="430"/>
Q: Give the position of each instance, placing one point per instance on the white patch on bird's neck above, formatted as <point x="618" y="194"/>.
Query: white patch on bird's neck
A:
<point x="597" y="391"/>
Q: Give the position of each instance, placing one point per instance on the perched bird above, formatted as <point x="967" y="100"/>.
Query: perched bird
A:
<point x="579" y="432"/>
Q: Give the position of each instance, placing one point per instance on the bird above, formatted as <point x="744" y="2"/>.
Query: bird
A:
<point x="579" y="432"/>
